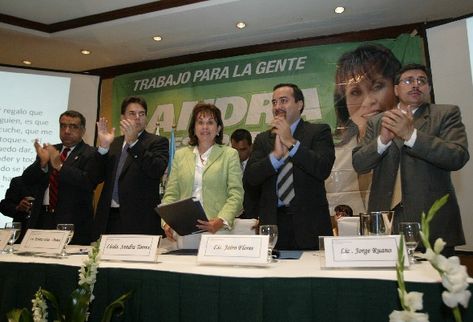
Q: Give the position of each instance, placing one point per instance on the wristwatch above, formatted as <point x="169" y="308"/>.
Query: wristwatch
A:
<point x="291" y="147"/>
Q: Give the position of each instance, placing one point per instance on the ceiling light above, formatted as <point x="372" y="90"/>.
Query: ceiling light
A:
<point x="157" y="38"/>
<point x="26" y="62"/>
<point x="339" y="9"/>
<point x="240" y="25"/>
<point x="85" y="52"/>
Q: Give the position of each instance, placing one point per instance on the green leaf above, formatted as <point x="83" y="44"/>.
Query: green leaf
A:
<point x="79" y="305"/>
<point x="426" y="219"/>
<point x="118" y="304"/>
<point x="19" y="315"/>
<point x="54" y="304"/>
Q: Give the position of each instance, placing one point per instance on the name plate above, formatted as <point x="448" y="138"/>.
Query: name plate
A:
<point x="233" y="250"/>
<point x="366" y="251"/>
<point x="4" y="237"/>
<point x="134" y="248"/>
<point x="44" y="241"/>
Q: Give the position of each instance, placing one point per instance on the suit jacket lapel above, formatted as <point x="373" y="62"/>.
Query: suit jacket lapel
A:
<point x="421" y="116"/>
<point x="129" y="158"/>
<point x="216" y="152"/>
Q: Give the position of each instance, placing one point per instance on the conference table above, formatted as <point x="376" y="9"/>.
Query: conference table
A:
<point x="177" y="288"/>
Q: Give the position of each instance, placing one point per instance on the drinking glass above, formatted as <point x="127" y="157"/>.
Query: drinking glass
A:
<point x="272" y="232"/>
<point x="30" y="200"/>
<point x="70" y="228"/>
<point x="376" y="223"/>
<point x="410" y="230"/>
<point x="15" y="229"/>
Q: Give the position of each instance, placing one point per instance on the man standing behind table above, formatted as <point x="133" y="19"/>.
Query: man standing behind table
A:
<point x="425" y="142"/>
<point x="17" y="204"/>
<point x="133" y="166"/>
<point x="63" y="179"/>
<point x="289" y="164"/>
<point x="241" y="141"/>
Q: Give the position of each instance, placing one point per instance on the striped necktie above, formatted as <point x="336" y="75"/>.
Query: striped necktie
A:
<point x="285" y="183"/>
<point x="54" y="182"/>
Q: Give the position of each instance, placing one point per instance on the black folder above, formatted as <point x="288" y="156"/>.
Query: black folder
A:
<point x="182" y="215"/>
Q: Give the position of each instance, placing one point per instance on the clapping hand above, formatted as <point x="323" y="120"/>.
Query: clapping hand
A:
<point x="42" y="153"/>
<point x="105" y="137"/>
<point x="129" y="130"/>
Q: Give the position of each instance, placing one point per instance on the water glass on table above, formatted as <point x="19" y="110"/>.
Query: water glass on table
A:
<point x="15" y="230"/>
<point x="411" y="233"/>
<point x="70" y="228"/>
<point x="272" y="232"/>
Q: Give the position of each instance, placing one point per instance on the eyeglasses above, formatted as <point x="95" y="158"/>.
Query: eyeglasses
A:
<point x="421" y="81"/>
<point x="135" y="114"/>
<point x="64" y="126"/>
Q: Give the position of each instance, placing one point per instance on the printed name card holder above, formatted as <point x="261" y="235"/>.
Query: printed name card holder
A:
<point x="43" y="241"/>
<point x="244" y="250"/>
<point x="4" y="237"/>
<point x="134" y="248"/>
<point x="360" y="251"/>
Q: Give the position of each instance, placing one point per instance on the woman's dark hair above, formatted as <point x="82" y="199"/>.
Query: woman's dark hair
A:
<point x="205" y="109"/>
<point x="366" y="60"/>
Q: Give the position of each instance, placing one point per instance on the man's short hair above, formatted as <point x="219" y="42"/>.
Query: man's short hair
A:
<point x="133" y="99"/>
<point x="297" y="93"/>
<point x="74" y="114"/>
<point x="408" y="67"/>
<point x="240" y="135"/>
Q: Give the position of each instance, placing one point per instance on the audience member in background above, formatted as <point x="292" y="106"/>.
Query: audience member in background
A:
<point x="364" y="87"/>
<point x="241" y="141"/>
<point x="63" y="179"/>
<point x="412" y="149"/>
<point x="133" y="166"/>
<point x="207" y="171"/>
<point x="17" y="204"/>
<point x="340" y="212"/>
<point x="289" y="165"/>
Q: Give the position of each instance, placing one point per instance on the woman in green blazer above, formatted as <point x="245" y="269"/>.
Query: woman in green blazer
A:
<point x="208" y="171"/>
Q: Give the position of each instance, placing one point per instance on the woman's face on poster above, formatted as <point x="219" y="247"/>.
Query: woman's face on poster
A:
<point x="368" y="96"/>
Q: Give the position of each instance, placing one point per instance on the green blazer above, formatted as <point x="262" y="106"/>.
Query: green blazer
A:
<point x="222" y="188"/>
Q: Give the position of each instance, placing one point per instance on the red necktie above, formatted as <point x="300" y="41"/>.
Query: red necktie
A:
<point x="53" y="182"/>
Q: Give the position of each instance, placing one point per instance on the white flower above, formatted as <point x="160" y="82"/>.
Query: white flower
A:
<point x="408" y="316"/>
<point x="453" y="299"/>
<point x="40" y="308"/>
<point x="413" y="300"/>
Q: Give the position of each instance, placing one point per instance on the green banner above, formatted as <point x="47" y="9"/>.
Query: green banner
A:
<point x="241" y="86"/>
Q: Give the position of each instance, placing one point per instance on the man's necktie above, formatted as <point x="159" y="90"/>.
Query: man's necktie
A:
<point x="54" y="182"/>
<point x="397" y="192"/>
<point x="120" y="165"/>
<point x="285" y="183"/>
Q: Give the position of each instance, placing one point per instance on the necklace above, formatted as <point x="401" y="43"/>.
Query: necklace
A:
<point x="202" y="159"/>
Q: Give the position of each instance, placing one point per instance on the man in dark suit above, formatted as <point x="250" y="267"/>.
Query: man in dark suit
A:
<point x="133" y="166"/>
<point x="72" y="168"/>
<point x="17" y="203"/>
<point x="289" y="164"/>
<point x="425" y="142"/>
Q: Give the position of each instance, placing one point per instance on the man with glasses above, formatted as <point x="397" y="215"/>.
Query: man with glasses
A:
<point x="289" y="165"/>
<point x="412" y="149"/>
<point x="133" y="166"/>
<point x="63" y="179"/>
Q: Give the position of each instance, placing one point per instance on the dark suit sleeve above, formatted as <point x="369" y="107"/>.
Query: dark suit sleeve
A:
<point x="85" y="177"/>
<point x="13" y="196"/>
<point x="152" y="158"/>
<point x="365" y="156"/>
<point x="259" y="167"/>
<point x="316" y="158"/>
